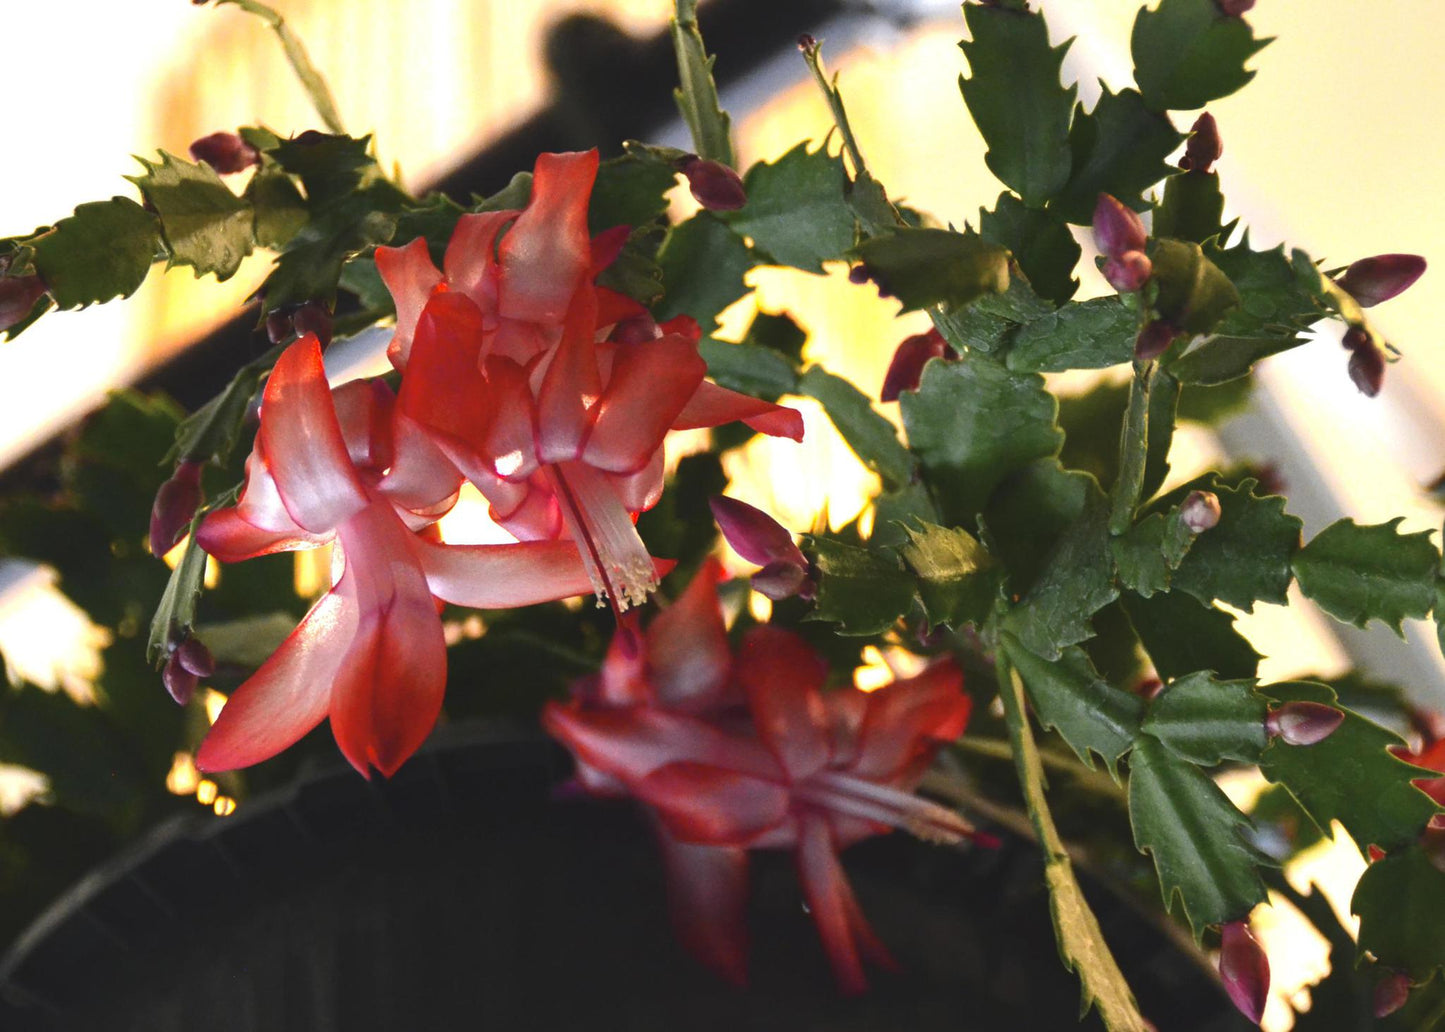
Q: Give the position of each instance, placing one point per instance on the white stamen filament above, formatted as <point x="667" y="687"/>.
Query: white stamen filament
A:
<point x="616" y="559"/>
<point x="857" y="797"/>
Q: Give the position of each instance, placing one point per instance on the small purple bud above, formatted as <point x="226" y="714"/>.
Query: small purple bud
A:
<point x="278" y="326"/>
<point x="1391" y="993"/>
<point x="315" y="318"/>
<point x="858" y="275"/>
<point x="179" y="681"/>
<point x="195" y="658"/>
<point x="1303" y="723"/>
<point x="18" y="295"/>
<point x="908" y="362"/>
<point x="807" y="44"/>
<point x="1367" y="369"/>
<point x="636" y="329"/>
<point x="781" y="580"/>
<point x="1153" y="340"/>
<point x="1372" y="280"/>
<point x="1355" y="338"/>
<point x="1200" y="511"/>
<point x="715" y="186"/>
<point x="1244" y="968"/>
<point x="755" y="535"/>
<point x="1129" y="271"/>
<point x="1234" y="8"/>
<point x="1204" y="146"/>
<point x="175" y="505"/>
<point x="225" y="152"/>
<point x="1117" y="228"/>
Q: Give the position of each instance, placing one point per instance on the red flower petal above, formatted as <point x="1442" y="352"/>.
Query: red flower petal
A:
<point x="687" y="646"/>
<point x="712" y="405"/>
<point x="906" y="720"/>
<point x="288" y="695"/>
<point x="443" y="387"/>
<point x="570" y="386"/>
<point x="421" y="476"/>
<point x="547" y="252"/>
<point x="409" y="274"/>
<point x="713" y="805"/>
<point x="470" y="261"/>
<point x="830" y="899"/>
<point x="782" y="675"/>
<point x="302" y="442"/>
<point x="650" y="384"/>
<point x="227" y="536"/>
<point x="387" y="695"/>
<point x="505" y="575"/>
<point x="707" y="891"/>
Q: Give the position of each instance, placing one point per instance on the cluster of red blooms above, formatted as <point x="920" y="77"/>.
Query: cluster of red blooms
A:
<point x="519" y="374"/>
<point x="732" y="753"/>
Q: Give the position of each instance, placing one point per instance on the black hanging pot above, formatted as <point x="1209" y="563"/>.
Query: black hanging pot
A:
<point x="462" y="895"/>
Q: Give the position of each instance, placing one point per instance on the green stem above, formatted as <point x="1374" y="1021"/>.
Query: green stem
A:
<point x="997" y="749"/>
<point x="1133" y="450"/>
<point x="311" y="80"/>
<point x="697" y="93"/>
<point x="1081" y="943"/>
<point x="814" y="56"/>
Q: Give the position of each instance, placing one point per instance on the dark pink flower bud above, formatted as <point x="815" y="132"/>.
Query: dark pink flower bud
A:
<point x="1129" y="271"/>
<point x="278" y="326"/>
<point x="1372" y="280"/>
<point x="636" y="329"/>
<point x="1153" y="340"/>
<point x="179" y="681"/>
<point x="908" y="362"/>
<point x="1303" y="723"/>
<point x="1204" y="146"/>
<point x="755" y="535"/>
<point x="175" y="505"/>
<point x="1391" y="993"/>
<point x="194" y="657"/>
<point x="1367" y="369"/>
<point x="18" y="295"/>
<point x="782" y="580"/>
<point x="807" y="44"/>
<point x="1117" y="228"/>
<point x="315" y="318"/>
<point x="1200" y="511"/>
<point x="858" y="275"/>
<point x="1244" y="968"/>
<point x="225" y="152"/>
<point x="1234" y="8"/>
<point x="1355" y="338"/>
<point x="715" y="186"/>
<point x="1149" y="687"/>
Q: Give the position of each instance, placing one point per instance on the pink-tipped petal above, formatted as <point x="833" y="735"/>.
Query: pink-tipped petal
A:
<point x="303" y="445"/>
<point x="826" y="889"/>
<point x="1244" y="968"/>
<point x="421" y="476"/>
<point x="288" y="695"/>
<point x="650" y="385"/>
<point x="641" y="490"/>
<point x="907" y="720"/>
<point x="687" y="646"/>
<point x="712" y="405"/>
<point x="606" y="246"/>
<point x="570" y="387"/>
<point x="782" y="675"/>
<point x="227" y="536"/>
<point x="363" y="409"/>
<point x="470" y="261"/>
<point x="546" y="253"/>
<point x="504" y="575"/>
<point x="388" y="694"/>
<point x="260" y="504"/>
<point x="707" y="892"/>
<point x="712" y="805"/>
<point x="443" y="388"/>
<point x="629" y="744"/>
<point x="411" y="277"/>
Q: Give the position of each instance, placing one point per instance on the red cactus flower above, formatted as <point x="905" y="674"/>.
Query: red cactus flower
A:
<point x="912" y="355"/>
<point x="798" y="769"/>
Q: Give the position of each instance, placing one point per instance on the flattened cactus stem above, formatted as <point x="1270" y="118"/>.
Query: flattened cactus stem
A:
<point x="1133" y="450"/>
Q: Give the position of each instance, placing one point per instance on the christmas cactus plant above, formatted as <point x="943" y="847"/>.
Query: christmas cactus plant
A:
<point x="1028" y="565"/>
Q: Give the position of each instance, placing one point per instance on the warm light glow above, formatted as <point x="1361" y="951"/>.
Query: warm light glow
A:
<point x="469" y="629"/>
<point x="313" y="571"/>
<point x="214" y="701"/>
<point x="470" y="521"/>
<point x="183" y="778"/>
<point x="1298" y="954"/>
<point x="46" y="639"/>
<point x="760" y="606"/>
<point x="224" y="806"/>
<point x="19" y="786"/>
<point x="173" y="558"/>
<point x="206" y="792"/>
<point x="874" y="673"/>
